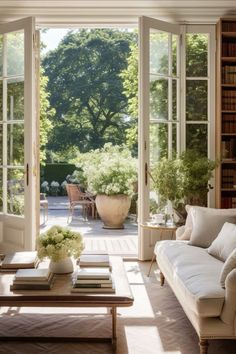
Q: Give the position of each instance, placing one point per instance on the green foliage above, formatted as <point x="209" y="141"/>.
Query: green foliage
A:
<point x="110" y="170"/>
<point x="86" y="88"/>
<point x="130" y="85"/>
<point x="46" y="116"/>
<point x="183" y="179"/>
<point x="56" y="172"/>
<point x="197" y="171"/>
<point x="196" y="96"/>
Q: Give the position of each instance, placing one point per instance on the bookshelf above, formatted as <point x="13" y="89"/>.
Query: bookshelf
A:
<point x="226" y="113"/>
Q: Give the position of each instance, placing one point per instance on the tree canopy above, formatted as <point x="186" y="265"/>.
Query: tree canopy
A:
<point x="86" y="89"/>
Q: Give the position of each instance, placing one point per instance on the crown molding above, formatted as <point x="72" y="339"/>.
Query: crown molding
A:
<point x="113" y="12"/>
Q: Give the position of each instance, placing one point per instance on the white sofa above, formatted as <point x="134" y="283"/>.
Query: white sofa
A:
<point x="194" y="276"/>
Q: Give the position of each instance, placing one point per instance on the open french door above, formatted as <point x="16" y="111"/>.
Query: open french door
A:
<point x="18" y="144"/>
<point x="159" y="116"/>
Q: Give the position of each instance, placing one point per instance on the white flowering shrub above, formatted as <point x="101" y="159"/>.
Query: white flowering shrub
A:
<point x="58" y="243"/>
<point x="45" y="187"/>
<point x="110" y="170"/>
<point x="54" y="188"/>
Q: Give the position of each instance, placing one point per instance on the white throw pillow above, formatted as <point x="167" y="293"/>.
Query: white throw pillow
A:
<point x="207" y="223"/>
<point x="187" y="228"/>
<point x="224" y="243"/>
<point x="229" y="265"/>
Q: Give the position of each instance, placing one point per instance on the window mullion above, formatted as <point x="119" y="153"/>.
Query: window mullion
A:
<point x="4" y="133"/>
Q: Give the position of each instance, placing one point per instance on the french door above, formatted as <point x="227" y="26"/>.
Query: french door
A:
<point x="159" y="85"/>
<point x="176" y="104"/>
<point x="18" y="149"/>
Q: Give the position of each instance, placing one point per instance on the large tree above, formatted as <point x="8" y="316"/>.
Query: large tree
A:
<point x="86" y="88"/>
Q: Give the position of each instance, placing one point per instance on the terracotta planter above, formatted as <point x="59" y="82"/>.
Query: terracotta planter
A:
<point x="113" y="209"/>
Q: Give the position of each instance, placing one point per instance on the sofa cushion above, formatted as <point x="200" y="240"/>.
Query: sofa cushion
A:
<point x="195" y="273"/>
<point x="187" y="228"/>
<point x="207" y="223"/>
<point x="229" y="265"/>
<point x="224" y="243"/>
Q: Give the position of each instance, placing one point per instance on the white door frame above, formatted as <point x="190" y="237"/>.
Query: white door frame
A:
<point x="19" y="232"/>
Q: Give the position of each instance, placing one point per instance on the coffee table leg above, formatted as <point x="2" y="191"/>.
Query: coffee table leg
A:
<point x="113" y="314"/>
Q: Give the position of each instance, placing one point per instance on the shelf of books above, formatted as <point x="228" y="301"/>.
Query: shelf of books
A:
<point x="226" y="113"/>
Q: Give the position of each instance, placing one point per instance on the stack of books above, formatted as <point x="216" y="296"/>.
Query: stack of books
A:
<point x="94" y="260"/>
<point x="93" y="280"/>
<point x="32" y="279"/>
<point x="18" y="260"/>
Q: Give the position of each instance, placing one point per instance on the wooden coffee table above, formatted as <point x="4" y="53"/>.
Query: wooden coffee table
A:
<point x="61" y="296"/>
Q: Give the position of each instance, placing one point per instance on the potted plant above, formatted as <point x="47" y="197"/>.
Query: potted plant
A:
<point x="111" y="174"/>
<point x="184" y="179"/>
<point x="59" y="244"/>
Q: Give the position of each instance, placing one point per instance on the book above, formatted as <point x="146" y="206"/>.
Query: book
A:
<point x="93" y="290"/>
<point x="18" y="260"/>
<point x="33" y="284"/>
<point x="94" y="281"/>
<point x="93" y="273"/>
<point x="92" y="285"/>
<point x="47" y="286"/>
<point x="94" y="260"/>
<point x="39" y="274"/>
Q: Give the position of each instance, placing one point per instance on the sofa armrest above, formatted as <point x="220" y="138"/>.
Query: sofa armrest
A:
<point x="229" y="308"/>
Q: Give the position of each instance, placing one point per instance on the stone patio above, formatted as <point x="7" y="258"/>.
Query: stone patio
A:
<point x="117" y="242"/>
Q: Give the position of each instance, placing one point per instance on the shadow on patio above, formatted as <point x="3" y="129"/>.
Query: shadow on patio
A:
<point x="121" y="242"/>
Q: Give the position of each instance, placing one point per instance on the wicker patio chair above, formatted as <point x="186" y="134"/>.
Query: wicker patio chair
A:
<point x="77" y="197"/>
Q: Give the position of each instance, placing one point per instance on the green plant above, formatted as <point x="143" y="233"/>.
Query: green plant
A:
<point x="58" y="243"/>
<point x="184" y="179"/>
<point x="110" y="170"/>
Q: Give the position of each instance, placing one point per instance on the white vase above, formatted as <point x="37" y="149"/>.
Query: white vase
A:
<point x="63" y="266"/>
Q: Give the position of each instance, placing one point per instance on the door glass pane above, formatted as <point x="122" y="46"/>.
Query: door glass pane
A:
<point x="15" y="53"/>
<point x="158" y="98"/>
<point x="15" y="191"/>
<point x="158" y="142"/>
<point x="196" y="138"/>
<point x="196" y="54"/>
<point x="15" y="144"/>
<point x="15" y="99"/>
<point x="174" y="54"/>
<point x="174" y="140"/>
<point x="1" y="52"/>
<point x="174" y="99"/>
<point x="1" y="127"/>
<point x="1" y="203"/>
<point x="196" y="100"/>
<point x="1" y="86"/>
<point x="159" y="52"/>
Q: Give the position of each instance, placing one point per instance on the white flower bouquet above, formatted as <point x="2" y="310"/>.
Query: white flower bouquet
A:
<point x="59" y="243"/>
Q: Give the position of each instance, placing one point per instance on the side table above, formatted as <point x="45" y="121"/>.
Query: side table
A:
<point x="161" y="228"/>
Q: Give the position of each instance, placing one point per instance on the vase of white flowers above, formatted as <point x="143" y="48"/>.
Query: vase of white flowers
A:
<point x="60" y="244"/>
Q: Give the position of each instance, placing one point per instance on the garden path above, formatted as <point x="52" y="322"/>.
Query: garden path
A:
<point x="117" y="242"/>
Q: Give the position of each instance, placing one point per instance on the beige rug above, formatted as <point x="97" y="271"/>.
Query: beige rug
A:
<point x="156" y="324"/>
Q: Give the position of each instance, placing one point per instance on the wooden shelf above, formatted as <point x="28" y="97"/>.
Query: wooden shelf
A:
<point x="228" y="34"/>
<point x="228" y="189"/>
<point x="228" y="85"/>
<point x="224" y="111"/>
<point x="233" y="161"/>
<point x="229" y="59"/>
<point x="228" y="134"/>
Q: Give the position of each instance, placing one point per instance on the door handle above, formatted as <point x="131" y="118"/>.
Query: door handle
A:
<point x="27" y="174"/>
<point x="146" y="173"/>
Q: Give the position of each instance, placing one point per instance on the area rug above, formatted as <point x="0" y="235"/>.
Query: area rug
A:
<point x="156" y="324"/>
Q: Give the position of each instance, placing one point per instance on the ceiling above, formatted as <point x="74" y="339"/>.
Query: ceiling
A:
<point x="108" y="12"/>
